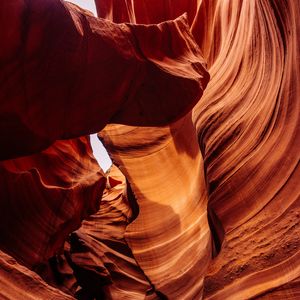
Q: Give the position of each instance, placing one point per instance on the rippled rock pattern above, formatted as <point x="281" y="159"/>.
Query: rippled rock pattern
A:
<point x="18" y="282"/>
<point x="166" y="174"/>
<point x="65" y="73"/>
<point x="207" y="204"/>
<point x="248" y="131"/>
<point x="45" y="196"/>
<point x="248" y="125"/>
<point x="100" y="256"/>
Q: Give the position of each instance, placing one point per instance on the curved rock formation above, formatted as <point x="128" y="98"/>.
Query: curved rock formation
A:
<point x="248" y="130"/>
<point x="65" y="73"/>
<point x="100" y="256"/>
<point x="18" y="282"/>
<point x="57" y="57"/>
<point x="248" y="124"/>
<point x="170" y="238"/>
<point x="220" y="179"/>
<point x="45" y="196"/>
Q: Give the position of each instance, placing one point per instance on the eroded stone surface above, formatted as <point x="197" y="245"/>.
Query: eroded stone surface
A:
<point x="236" y="153"/>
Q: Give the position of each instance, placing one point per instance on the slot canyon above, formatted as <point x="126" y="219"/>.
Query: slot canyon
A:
<point x="198" y="105"/>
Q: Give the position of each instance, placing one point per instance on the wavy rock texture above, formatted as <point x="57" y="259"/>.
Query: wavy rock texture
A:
<point x="248" y="131"/>
<point x="165" y="170"/>
<point x="45" y="196"/>
<point x="65" y="74"/>
<point x="248" y="125"/>
<point x="235" y="155"/>
<point x="100" y="256"/>
<point x="18" y="282"/>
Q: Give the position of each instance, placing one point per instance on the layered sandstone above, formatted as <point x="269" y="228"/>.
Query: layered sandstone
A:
<point x="248" y="132"/>
<point x="45" y="196"/>
<point x="207" y="204"/>
<point x="65" y="73"/>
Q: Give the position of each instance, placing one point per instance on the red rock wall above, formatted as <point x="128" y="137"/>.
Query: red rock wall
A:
<point x="102" y="260"/>
<point x="45" y="196"/>
<point x="65" y="73"/>
<point x="210" y="206"/>
<point x="248" y="132"/>
<point x="248" y="124"/>
<point x="170" y="237"/>
<point x="18" y="282"/>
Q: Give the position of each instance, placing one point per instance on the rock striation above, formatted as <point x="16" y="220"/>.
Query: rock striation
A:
<point x="197" y="103"/>
<point x="247" y="124"/>
<point x="65" y="73"/>
<point x="45" y="196"/>
<point x="18" y="282"/>
<point x="166" y="175"/>
<point x="100" y="256"/>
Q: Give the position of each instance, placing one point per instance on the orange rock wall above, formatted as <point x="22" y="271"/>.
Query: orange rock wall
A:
<point x="204" y="125"/>
<point x="45" y="196"/>
<point x="248" y="132"/>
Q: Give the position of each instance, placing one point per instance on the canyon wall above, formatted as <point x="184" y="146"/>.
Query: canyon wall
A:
<point x="247" y="123"/>
<point x="197" y="103"/>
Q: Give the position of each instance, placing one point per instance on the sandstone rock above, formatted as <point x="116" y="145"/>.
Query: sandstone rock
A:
<point x="248" y="131"/>
<point x="65" y="74"/>
<point x="44" y="197"/>
<point x="221" y="179"/>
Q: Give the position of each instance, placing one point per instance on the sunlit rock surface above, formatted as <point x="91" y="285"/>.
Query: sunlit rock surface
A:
<point x="101" y="258"/>
<point x="170" y="237"/>
<point x="210" y="204"/>
<point x="248" y="131"/>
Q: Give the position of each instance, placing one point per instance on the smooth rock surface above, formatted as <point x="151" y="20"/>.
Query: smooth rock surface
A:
<point x="170" y="238"/>
<point x="65" y="73"/>
<point x="210" y="205"/>
<point x="248" y="131"/>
